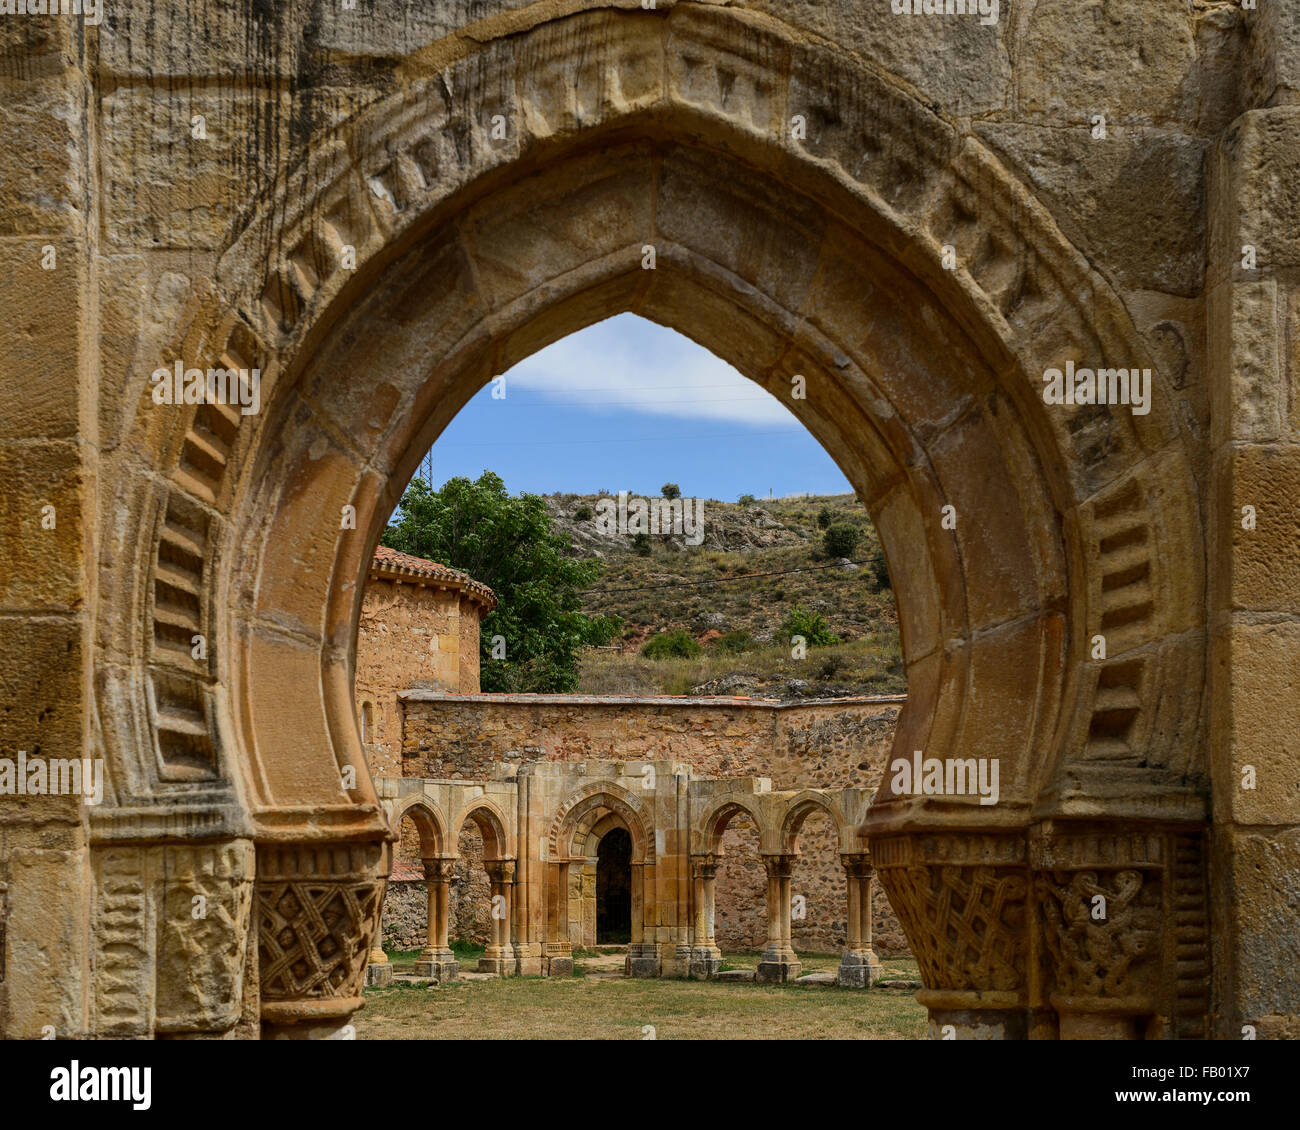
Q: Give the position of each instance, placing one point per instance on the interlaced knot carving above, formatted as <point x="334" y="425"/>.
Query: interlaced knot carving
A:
<point x="314" y="937"/>
<point x="1101" y="956"/>
<point x="966" y="924"/>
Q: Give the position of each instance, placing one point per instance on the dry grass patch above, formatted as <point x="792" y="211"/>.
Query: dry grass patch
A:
<point x="580" y="1008"/>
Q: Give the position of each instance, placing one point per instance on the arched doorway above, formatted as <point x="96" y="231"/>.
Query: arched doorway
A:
<point x="1015" y="533"/>
<point x="614" y="888"/>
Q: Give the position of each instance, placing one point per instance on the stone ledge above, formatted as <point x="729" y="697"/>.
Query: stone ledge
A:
<point x="420" y="695"/>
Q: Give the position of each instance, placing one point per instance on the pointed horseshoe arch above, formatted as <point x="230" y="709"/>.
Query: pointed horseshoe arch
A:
<point x="409" y="255"/>
<point x="591" y="799"/>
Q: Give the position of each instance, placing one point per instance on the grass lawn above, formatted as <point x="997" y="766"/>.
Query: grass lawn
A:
<point x="582" y="1008"/>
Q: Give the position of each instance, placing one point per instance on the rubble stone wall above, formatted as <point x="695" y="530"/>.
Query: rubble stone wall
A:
<point x="817" y="744"/>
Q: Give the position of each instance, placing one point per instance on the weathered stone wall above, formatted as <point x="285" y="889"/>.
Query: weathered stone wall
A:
<point x="405" y="911"/>
<point x="799" y="745"/>
<point x="410" y="635"/>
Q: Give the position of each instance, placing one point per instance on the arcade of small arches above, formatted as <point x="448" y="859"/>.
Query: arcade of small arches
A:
<point x="543" y="826"/>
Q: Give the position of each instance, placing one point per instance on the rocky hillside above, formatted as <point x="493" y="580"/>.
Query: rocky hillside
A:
<point x="660" y="584"/>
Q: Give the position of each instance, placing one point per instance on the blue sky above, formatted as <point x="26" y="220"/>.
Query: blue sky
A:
<point x="629" y="405"/>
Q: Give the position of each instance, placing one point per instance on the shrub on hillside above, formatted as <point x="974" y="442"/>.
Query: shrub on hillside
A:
<point x="879" y="569"/>
<point x="825" y="516"/>
<point x="734" y="643"/>
<point x="584" y="513"/>
<point x="830" y="666"/>
<point x="677" y="644"/>
<point x="811" y="625"/>
<point x="671" y="490"/>
<point x="746" y="500"/>
<point x="840" y="540"/>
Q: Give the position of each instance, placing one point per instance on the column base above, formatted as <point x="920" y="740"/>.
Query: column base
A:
<point x="529" y="960"/>
<point x="705" y="962"/>
<point x="497" y="960"/>
<point x="378" y="975"/>
<point x="557" y="959"/>
<point x="971" y="1015"/>
<point x="437" y="965"/>
<point x="778" y="965"/>
<point x="1092" y="1018"/>
<point x="642" y="960"/>
<point x="858" y="969"/>
<point x="675" y="960"/>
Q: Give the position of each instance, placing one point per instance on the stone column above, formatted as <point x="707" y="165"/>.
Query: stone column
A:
<point x="379" y="970"/>
<point x="499" y="957"/>
<point x="706" y="958"/>
<point x="559" y="950"/>
<point x="636" y="882"/>
<point x="1252" y="316"/>
<point x="642" y="956"/>
<point x="778" y="962"/>
<point x="437" y="961"/>
<point x="859" y="966"/>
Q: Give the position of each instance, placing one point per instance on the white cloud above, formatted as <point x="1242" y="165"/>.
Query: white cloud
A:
<point x="627" y="364"/>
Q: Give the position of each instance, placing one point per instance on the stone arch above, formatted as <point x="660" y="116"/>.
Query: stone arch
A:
<point x="712" y="824"/>
<point x="428" y="820"/>
<point x="471" y="255"/>
<point x="492" y="825"/>
<point x="957" y="179"/>
<point x="584" y="874"/>
<point x="798" y="808"/>
<point x="598" y="799"/>
<point x="594" y="827"/>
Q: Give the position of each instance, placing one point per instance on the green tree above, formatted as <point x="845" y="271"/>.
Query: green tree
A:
<point x="671" y="490"/>
<point x="510" y="544"/>
<point x="825" y="516"/>
<point x="840" y="540"/>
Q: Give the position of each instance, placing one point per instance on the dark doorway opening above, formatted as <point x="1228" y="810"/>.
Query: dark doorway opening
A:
<point x="614" y="888"/>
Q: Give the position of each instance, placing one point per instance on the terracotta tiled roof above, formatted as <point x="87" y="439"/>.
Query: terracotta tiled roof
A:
<point x="404" y="872"/>
<point x="402" y="566"/>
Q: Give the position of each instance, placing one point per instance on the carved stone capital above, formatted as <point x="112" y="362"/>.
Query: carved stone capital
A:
<point x="962" y="901"/>
<point x="318" y="908"/>
<point x="439" y="870"/>
<point x="500" y="870"/>
<point x="1102" y="929"/>
<point x="858" y="865"/>
<point x="779" y="866"/>
<point x="1124" y="919"/>
<point x="704" y="866"/>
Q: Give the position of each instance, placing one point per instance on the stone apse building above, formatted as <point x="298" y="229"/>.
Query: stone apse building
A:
<point x="375" y="210"/>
